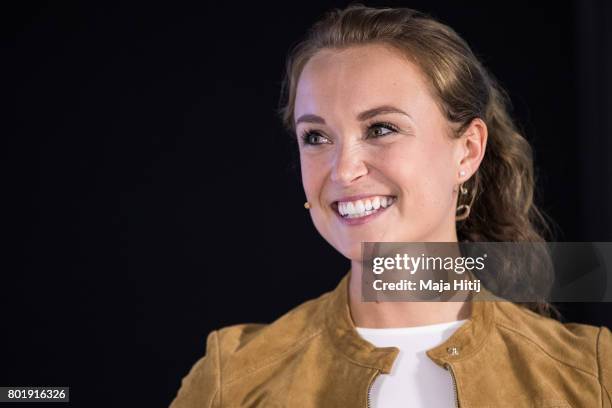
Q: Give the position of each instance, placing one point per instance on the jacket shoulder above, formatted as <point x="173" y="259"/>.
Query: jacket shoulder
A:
<point x="200" y="387"/>
<point x="236" y="350"/>
<point x="573" y="344"/>
<point x="245" y="347"/>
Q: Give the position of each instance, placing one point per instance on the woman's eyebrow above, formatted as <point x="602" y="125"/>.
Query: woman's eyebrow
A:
<point x="365" y="115"/>
<point x="310" y="118"/>
<point x="370" y="113"/>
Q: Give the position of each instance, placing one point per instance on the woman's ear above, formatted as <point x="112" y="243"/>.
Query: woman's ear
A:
<point x="472" y="146"/>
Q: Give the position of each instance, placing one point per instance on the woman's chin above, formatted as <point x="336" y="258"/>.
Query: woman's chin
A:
<point x="351" y="251"/>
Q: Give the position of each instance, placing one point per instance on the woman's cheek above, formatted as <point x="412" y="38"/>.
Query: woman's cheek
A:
<point x="309" y="179"/>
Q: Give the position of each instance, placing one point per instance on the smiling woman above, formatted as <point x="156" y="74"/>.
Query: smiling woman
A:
<point x="373" y="112"/>
<point x="403" y="137"/>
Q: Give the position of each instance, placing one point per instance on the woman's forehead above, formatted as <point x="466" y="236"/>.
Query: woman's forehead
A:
<point x="357" y="78"/>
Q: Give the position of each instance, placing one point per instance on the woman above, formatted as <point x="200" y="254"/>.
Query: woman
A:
<point x="393" y="115"/>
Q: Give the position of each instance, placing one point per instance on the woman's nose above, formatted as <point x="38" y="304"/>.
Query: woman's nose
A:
<point x="348" y="164"/>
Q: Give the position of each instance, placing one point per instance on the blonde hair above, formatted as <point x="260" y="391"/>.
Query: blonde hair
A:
<point x="502" y="190"/>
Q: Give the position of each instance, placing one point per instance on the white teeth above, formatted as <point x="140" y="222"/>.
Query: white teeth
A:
<point x="376" y="203"/>
<point x="361" y="208"/>
<point x="359" y="215"/>
<point x="350" y="208"/>
<point x="342" y="208"/>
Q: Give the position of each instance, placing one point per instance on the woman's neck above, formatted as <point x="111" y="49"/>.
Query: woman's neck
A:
<point x="399" y="314"/>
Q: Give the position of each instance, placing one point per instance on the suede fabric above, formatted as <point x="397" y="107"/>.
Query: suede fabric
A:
<point x="503" y="356"/>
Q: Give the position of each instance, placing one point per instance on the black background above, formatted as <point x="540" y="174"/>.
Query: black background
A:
<point x="152" y="195"/>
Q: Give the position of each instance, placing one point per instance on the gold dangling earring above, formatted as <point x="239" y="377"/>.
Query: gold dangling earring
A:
<point x="307" y="205"/>
<point x="463" y="209"/>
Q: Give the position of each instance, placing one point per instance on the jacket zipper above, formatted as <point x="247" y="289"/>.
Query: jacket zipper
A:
<point x="452" y="374"/>
<point x="369" y="401"/>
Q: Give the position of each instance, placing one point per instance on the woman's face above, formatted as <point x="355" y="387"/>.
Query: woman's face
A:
<point x="377" y="161"/>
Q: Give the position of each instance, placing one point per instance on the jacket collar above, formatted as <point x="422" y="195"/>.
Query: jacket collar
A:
<point x="466" y="341"/>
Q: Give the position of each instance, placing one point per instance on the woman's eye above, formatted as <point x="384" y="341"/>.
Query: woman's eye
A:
<point x="382" y="129"/>
<point x="313" y="138"/>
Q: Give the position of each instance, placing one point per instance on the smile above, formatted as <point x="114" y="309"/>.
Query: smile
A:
<point x="363" y="207"/>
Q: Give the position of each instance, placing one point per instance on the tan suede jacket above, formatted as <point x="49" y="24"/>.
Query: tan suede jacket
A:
<point x="503" y="356"/>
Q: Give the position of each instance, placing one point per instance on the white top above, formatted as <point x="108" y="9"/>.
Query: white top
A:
<point x="414" y="381"/>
